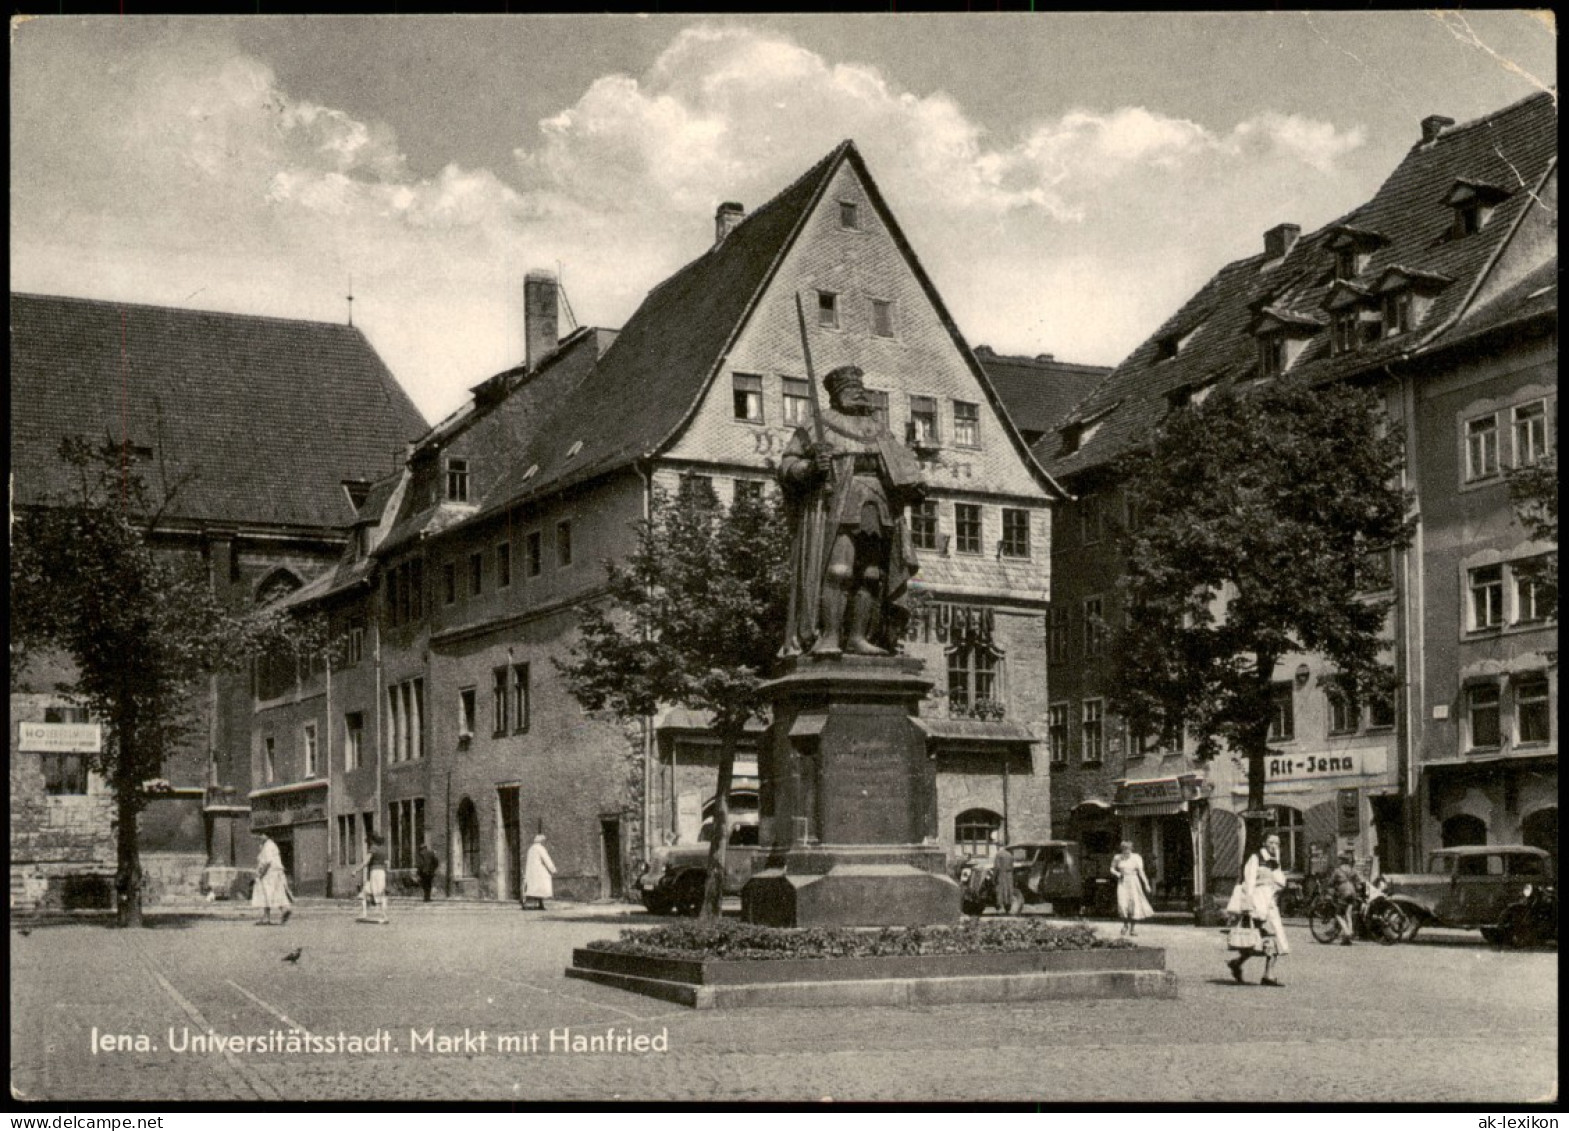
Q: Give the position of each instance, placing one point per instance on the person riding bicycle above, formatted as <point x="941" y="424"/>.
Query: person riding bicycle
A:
<point x="1349" y="889"/>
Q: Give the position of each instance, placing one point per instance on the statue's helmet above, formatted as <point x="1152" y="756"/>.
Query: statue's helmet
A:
<point x="842" y="378"/>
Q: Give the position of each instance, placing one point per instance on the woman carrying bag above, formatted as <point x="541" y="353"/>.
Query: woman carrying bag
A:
<point x="1263" y="879"/>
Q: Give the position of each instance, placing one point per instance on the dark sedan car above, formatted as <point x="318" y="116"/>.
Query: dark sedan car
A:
<point x="1469" y="887"/>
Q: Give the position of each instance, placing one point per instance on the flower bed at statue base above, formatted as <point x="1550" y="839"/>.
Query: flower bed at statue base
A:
<point x="731" y="965"/>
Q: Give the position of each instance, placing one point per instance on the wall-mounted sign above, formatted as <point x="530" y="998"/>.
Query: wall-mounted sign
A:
<point x="1299" y="767"/>
<point x="62" y="738"/>
<point x="1348" y="810"/>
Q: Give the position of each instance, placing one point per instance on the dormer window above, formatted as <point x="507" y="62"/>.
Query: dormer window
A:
<point x="1272" y="354"/>
<point x="1405" y="296"/>
<point x="1473" y="203"/>
<point x="1166" y="348"/>
<point x="457" y="480"/>
<point x="1353" y="249"/>
<point x="1398" y="318"/>
<point x="1072" y="438"/>
<point x="1345" y="330"/>
<point x="1282" y="335"/>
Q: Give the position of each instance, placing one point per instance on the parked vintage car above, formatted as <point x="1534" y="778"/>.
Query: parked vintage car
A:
<point x="1469" y="887"/>
<point x="1043" y="872"/>
<point x="673" y="880"/>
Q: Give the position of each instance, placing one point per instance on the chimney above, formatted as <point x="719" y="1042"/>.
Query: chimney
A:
<point x="540" y="317"/>
<point x="726" y="217"/>
<point x="1280" y="239"/>
<point x="1432" y="124"/>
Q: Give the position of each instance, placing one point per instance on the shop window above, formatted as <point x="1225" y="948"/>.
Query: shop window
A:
<point x="1057" y="733"/>
<point x="1533" y="721"/>
<point x="1282" y="720"/>
<point x="977" y="832"/>
<point x="1482" y="715"/>
<point x="1015" y="533"/>
<point x="748" y="397"/>
<point x="1289" y="827"/>
<point x="65" y="775"/>
<point x="1481" y="447"/>
<point x="1093" y="731"/>
<point x="797" y="402"/>
<point x="967" y="528"/>
<point x="1487" y="597"/>
<point x="966" y="424"/>
<point x="923" y="524"/>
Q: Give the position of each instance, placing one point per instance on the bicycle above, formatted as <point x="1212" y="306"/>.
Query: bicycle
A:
<point x="1373" y="916"/>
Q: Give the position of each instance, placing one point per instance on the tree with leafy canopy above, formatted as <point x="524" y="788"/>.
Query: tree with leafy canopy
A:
<point x="139" y="622"/>
<point x="1267" y="517"/>
<point x="692" y="618"/>
<point x="1533" y="489"/>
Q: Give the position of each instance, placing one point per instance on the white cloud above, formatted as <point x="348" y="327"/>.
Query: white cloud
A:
<point x="193" y="171"/>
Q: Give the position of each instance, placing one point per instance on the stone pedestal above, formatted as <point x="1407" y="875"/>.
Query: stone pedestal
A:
<point x="849" y="801"/>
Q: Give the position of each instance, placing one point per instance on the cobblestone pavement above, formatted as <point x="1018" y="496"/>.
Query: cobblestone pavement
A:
<point x="1444" y="1019"/>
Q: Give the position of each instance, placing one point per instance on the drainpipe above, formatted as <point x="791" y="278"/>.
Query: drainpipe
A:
<point x="1412" y="606"/>
<point x="647" y="470"/>
<point x="326" y="747"/>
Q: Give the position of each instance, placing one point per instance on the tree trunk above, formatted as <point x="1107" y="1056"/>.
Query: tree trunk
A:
<point x="1256" y="749"/>
<point x="714" y="887"/>
<point x="128" y="860"/>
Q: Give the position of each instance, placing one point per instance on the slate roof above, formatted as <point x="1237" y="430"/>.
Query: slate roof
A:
<point x="272" y="414"/>
<point x="1513" y="147"/>
<point x="653" y="377"/>
<point x="1038" y="392"/>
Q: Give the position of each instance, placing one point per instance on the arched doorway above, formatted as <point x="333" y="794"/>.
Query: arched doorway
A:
<point x="465" y="848"/>
<point x="1462" y="829"/>
<point x="1540" y="830"/>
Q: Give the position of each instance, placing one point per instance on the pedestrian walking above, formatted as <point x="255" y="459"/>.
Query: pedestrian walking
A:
<point x="538" y="867"/>
<point x="373" y="870"/>
<point x="1133" y="887"/>
<point x="1002" y="864"/>
<point x="1348" y="887"/>
<point x="272" y="884"/>
<point x="1264" y="879"/>
<point x="426" y="865"/>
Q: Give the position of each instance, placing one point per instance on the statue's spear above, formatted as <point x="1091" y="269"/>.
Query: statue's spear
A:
<point x="811" y="377"/>
<point x="816" y="518"/>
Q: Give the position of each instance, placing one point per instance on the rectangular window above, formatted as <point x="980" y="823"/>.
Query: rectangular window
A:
<point x="563" y="543"/>
<point x="1375" y="571"/>
<point x="1094" y="626"/>
<point x="966" y="424"/>
<point x="394" y="724"/>
<point x="416" y="587"/>
<point x="797" y="402"/>
<point x="1533" y="599"/>
<point x="1487" y="597"/>
<point x="1345" y="331"/>
<point x="476" y="574"/>
<point x="65" y="775"/>
<point x="828" y="309"/>
<point x="1343" y="713"/>
<point x="449" y="582"/>
<point x="467" y="704"/>
<point x="967" y="527"/>
<point x="923" y="524"/>
<point x="849" y="215"/>
<point x="1381" y="711"/>
<point x="748" y="394"/>
<point x="533" y="557"/>
<point x="1094" y="736"/>
<point x="1481" y="447"/>
<point x="503" y="565"/>
<point x="353" y="739"/>
<point x="354" y="645"/>
<point x="1532" y="719"/>
<point x="1015" y="533"/>
<point x="311" y="767"/>
<point x="345" y="838"/>
<point x="458" y="480"/>
<point x="269" y="760"/>
<point x="1271" y="355"/>
<point x="1282" y="717"/>
<point x="1398" y="310"/>
<point x="1057" y="734"/>
<point x="751" y="489"/>
<point x="1482" y="708"/>
<point x="698" y="490"/>
<point x="1057" y="632"/>
<point x="972" y="681"/>
<point x="499" y="702"/>
<point x="923" y="420"/>
<point x="1092" y="520"/>
<point x="520" y="698"/>
<point x="882" y="318"/>
<point x="1530" y="432"/>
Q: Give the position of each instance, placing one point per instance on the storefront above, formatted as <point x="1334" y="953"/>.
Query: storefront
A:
<point x="1165" y="819"/>
<point x="295" y="816"/>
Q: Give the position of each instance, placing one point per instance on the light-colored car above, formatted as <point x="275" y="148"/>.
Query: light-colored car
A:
<point x="1469" y="887"/>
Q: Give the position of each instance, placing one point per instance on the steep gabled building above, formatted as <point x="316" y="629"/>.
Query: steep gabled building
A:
<point x="269" y="429"/>
<point x="1439" y="294"/>
<point x="480" y="745"/>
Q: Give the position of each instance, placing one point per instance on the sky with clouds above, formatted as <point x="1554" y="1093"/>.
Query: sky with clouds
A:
<point x="1067" y="180"/>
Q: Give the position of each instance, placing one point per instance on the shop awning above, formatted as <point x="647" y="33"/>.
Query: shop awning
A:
<point x="970" y="731"/>
<point x="1158" y="797"/>
<point x="1153" y="809"/>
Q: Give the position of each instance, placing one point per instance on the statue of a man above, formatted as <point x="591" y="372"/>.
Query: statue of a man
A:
<point x="847" y="484"/>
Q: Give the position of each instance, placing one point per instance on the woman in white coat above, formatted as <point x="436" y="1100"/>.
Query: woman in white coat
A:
<point x="1264" y="879"/>
<point x="538" y="867"/>
<point x="272" y="883"/>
